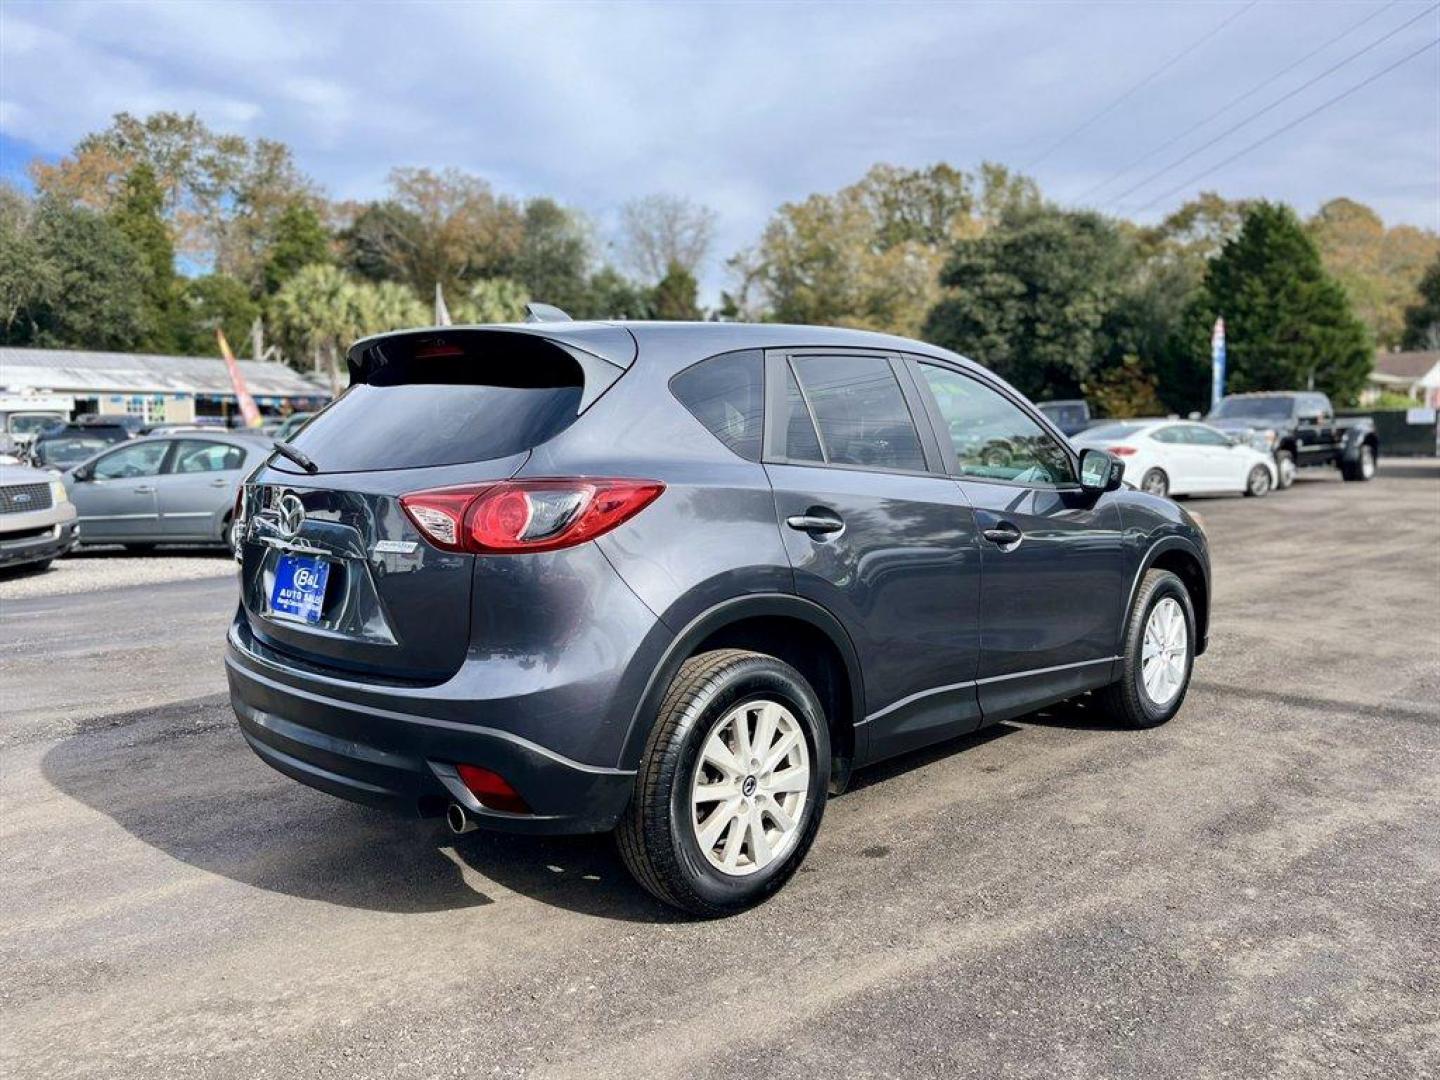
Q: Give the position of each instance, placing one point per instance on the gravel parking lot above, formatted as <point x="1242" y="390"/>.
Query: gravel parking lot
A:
<point x="1251" y="890"/>
<point x="89" y="570"/>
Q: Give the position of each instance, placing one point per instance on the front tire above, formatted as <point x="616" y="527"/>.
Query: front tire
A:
<point x="732" y="786"/>
<point x="1257" y="484"/>
<point x="1284" y="469"/>
<point x="1159" y="654"/>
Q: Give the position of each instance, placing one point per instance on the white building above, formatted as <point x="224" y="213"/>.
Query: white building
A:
<point x="157" y="389"/>
<point x="1414" y="374"/>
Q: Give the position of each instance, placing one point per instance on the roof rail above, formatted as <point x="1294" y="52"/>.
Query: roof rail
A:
<point x="545" y="313"/>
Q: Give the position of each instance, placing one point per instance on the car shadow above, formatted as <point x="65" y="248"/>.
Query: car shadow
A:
<point x="182" y="781"/>
<point x="925" y="755"/>
<point x="1082" y="712"/>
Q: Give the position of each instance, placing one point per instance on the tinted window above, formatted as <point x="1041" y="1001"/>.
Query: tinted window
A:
<point x="1260" y="408"/>
<point x="192" y="456"/>
<point x="1173" y="434"/>
<point x="801" y="442"/>
<point x="70" y="449"/>
<point x="445" y="407"/>
<point x="726" y="394"/>
<point x="140" y="459"/>
<point x="860" y="411"/>
<point x="992" y="436"/>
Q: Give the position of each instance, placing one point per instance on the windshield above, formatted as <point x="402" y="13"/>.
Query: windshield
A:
<point x="72" y="449"/>
<point x="1111" y="432"/>
<point x="1263" y="408"/>
<point x="30" y="423"/>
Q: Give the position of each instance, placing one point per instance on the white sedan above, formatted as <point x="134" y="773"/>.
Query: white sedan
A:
<point x="1180" y="457"/>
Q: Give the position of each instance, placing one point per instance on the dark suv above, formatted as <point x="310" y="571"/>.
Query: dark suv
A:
<point x="679" y="580"/>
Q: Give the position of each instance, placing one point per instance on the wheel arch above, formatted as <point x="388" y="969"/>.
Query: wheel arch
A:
<point x="799" y="632"/>
<point x="1185" y="561"/>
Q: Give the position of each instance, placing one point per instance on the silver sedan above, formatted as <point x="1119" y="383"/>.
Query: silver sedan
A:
<point x="164" y="489"/>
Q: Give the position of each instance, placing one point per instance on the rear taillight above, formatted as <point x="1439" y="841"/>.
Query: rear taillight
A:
<point x="1121" y="451"/>
<point x="526" y="515"/>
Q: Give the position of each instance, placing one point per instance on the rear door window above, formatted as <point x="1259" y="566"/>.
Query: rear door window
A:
<point x="437" y="401"/>
<point x="860" y="411"/>
<point x="194" y="456"/>
<point x="727" y="394"/>
<point x="801" y="442"/>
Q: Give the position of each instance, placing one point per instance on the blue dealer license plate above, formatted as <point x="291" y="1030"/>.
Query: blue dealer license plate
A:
<point x="299" y="590"/>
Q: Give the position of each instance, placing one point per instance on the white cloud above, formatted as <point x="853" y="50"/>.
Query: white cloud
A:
<point x="741" y="106"/>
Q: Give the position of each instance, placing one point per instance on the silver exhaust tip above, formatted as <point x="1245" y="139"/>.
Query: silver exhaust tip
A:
<point x="459" y="819"/>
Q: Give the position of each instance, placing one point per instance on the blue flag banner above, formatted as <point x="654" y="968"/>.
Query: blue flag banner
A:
<point x="1217" y="363"/>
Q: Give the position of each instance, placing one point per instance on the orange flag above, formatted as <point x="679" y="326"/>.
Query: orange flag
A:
<point x="248" y="408"/>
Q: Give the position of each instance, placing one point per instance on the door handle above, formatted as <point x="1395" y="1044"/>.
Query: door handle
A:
<point x="218" y="483"/>
<point x="143" y="489"/>
<point x="1003" y="535"/>
<point x="815" y="523"/>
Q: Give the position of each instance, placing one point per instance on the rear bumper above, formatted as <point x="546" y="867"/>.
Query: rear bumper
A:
<point x="18" y="547"/>
<point x="310" y="729"/>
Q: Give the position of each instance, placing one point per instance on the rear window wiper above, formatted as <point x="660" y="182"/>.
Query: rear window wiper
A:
<point x="296" y="456"/>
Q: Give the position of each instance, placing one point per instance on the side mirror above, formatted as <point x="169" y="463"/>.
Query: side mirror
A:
<point x="1100" y="470"/>
<point x="82" y="474"/>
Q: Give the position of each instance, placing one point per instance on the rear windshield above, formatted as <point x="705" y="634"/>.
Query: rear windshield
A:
<point x="69" y="449"/>
<point x="1112" y="431"/>
<point x="442" y="404"/>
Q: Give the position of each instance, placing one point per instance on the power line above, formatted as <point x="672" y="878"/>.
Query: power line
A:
<point x="1293" y="123"/>
<point x="1139" y="86"/>
<point x="1235" y="101"/>
<point x="1267" y="108"/>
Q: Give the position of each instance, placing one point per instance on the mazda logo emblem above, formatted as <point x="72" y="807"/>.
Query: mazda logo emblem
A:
<point x="292" y="514"/>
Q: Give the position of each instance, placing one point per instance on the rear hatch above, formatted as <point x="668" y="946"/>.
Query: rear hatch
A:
<point x="333" y="571"/>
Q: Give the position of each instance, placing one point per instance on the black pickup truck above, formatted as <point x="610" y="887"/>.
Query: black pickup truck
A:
<point x="1300" y="429"/>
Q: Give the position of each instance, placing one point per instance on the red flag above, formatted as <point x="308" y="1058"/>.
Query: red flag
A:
<point x="248" y="408"/>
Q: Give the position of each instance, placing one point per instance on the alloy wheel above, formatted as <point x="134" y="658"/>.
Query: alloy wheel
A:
<point x="1367" y="462"/>
<point x="747" y="799"/>
<point x="1164" y="652"/>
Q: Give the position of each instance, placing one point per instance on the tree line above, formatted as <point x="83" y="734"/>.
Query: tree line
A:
<point x="156" y="231"/>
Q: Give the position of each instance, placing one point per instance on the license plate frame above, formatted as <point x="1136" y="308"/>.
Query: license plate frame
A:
<point x="298" y="592"/>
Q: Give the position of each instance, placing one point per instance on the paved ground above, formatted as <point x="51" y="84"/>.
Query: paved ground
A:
<point x="1252" y="890"/>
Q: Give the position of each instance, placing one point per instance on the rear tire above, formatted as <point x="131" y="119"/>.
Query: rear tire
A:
<point x="1155" y="482"/>
<point x="668" y="837"/>
<point x="1363" y="467"/>
<point x="1144" y="696"/>
<point x="1257" y="484"/>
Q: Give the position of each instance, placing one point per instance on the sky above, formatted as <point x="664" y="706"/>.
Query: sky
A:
<point x="743" y="106"/>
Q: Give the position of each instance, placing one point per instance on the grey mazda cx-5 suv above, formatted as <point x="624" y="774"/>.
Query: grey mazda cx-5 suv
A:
<point x="679" y="580"/>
